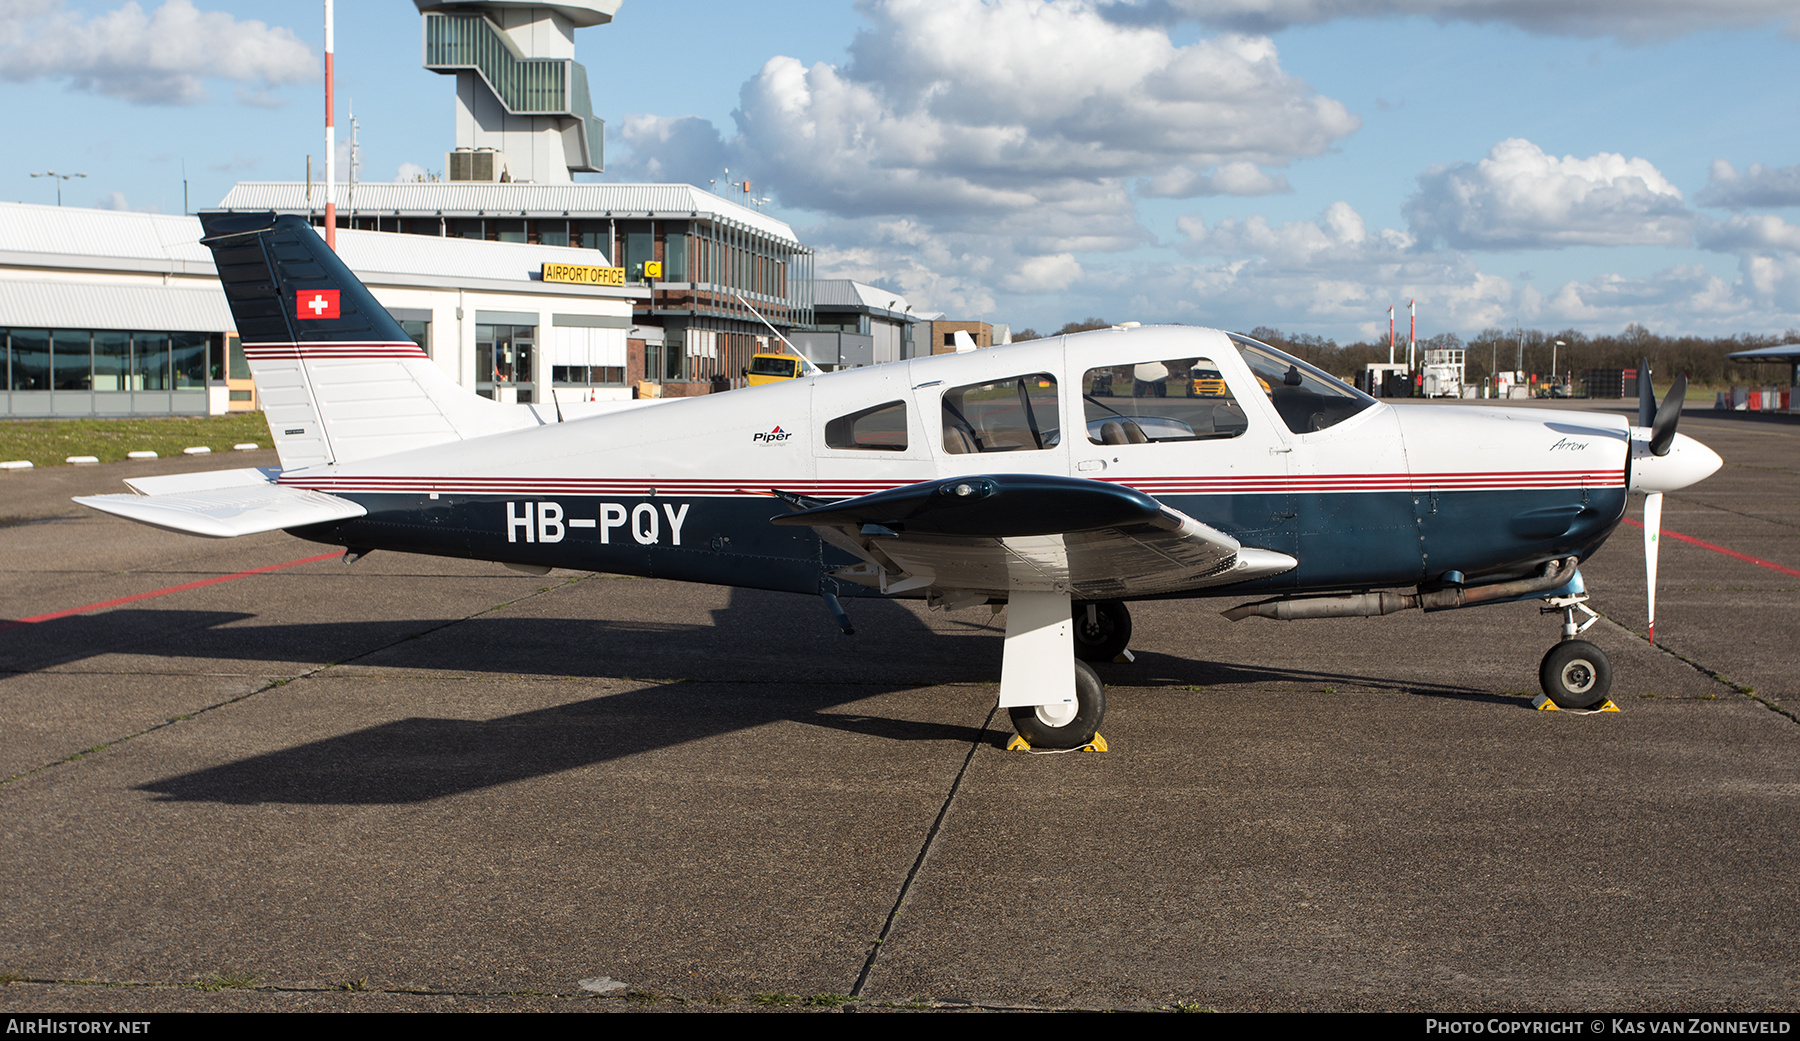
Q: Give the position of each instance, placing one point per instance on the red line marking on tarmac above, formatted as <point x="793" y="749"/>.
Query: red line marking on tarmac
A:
<point x="1772" y="566"/>
<point x="52" y="616"/>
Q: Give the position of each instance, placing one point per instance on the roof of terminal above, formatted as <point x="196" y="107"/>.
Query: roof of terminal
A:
<point x="513" y="199"/>
<point x="113" y="240"/>
<point x="84" y="243"/>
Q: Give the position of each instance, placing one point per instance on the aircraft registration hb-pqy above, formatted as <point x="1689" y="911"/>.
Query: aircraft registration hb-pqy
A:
<point x="1061" y="477"/>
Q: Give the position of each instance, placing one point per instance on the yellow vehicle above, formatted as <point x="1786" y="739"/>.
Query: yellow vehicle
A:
<point x="1208" y="383"/>
<point x="773" y="368"/>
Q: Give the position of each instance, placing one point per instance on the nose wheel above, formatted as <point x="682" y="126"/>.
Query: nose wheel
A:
<point x="1574" y="674"/>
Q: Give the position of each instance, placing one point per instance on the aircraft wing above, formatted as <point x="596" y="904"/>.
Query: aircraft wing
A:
<point x="222" y="504"/>
<point x="991" y="534"/>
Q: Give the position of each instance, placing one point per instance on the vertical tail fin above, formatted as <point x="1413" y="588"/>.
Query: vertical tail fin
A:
<point x="338" y="378"/>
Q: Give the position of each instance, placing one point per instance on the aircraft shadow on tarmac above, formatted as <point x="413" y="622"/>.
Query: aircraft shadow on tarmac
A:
<point x="419" y="759"/>
<point x="765" y="658"/>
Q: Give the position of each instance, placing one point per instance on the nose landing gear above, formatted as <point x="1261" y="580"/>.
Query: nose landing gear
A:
<point x="1574" y="674"/>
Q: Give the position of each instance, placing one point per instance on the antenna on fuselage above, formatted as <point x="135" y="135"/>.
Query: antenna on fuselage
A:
<point x="806" y="364"/>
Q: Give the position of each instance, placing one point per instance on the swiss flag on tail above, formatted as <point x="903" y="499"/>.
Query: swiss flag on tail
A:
<point x="316" y="303"/>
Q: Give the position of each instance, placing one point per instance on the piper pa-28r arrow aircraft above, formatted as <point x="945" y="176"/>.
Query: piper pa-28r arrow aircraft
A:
<point x="1061" y="477"/>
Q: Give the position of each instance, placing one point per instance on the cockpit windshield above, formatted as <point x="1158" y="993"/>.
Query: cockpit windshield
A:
<point x="1307" y="398"/>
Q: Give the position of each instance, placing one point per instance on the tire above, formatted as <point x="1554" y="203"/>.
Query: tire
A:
<point x="1108" y="637"/>
<point x="1041" y="730"/>
<point x="1575" y="674"/>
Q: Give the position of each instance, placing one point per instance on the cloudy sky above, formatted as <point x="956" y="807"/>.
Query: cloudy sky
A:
<point x="1295" y="163"/>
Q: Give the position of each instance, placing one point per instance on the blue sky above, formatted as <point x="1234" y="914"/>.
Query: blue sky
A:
<point x="1295" y="163"/>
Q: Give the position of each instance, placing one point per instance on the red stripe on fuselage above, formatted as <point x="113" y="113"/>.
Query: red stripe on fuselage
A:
<point x="737" y="487"/>
<point x="332" y="350"/>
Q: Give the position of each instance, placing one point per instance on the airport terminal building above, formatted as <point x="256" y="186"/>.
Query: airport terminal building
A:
<point x="109" y="313"/>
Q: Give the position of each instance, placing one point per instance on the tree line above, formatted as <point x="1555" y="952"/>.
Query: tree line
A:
<point x="1701" y="357"/>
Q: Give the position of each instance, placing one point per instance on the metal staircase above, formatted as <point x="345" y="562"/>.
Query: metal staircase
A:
<point x="525" y="86"/>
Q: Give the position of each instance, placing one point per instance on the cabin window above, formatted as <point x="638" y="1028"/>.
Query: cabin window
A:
<point x="1182" y="399"/>
<point x="1010" y="415"/>
<point x="1306" y="398"/>
<point x="881" y="428"/>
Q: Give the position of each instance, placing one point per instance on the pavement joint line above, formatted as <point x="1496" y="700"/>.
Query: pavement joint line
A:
<point x="1741" y="513"/>
<point x="630" y="997"/>
<point x="1709" y="673"/>
<point x="918" y="865"/>
<point x="271" y="685"/>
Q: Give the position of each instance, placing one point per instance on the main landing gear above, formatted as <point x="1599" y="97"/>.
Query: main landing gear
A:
<point x="1102" y="630"/>
<point x="1064" y="726"/>
<point x="1055" y="698"/>
<point x="1574" y="673"/>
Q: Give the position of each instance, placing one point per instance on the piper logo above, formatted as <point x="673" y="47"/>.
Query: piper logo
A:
<point x="775" y="436"/>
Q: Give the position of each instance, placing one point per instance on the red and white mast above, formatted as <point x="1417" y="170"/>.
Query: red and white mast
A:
<point x="330" y="142"/>
<point x="1412" y="331"/>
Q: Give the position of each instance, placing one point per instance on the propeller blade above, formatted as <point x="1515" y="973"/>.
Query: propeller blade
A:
<point x="1652" y="532"/>
<point x="1662" y="432"/>
<point x="1646" y="396"/>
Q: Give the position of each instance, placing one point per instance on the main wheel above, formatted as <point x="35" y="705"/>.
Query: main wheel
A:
<point x="1575" y="674"/>
<point x="1107" y="636"/>
<point x="1064" y="726"/>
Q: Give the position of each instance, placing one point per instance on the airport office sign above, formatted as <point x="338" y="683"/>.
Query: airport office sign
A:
<point x="583" y="274"/>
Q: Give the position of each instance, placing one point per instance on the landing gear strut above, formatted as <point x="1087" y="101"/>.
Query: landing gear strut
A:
<point x="1055" y="701"/>
<point x="1574" y="673"/>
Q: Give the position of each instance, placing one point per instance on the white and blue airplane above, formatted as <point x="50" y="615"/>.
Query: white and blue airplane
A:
<point x="1062" y="478"/>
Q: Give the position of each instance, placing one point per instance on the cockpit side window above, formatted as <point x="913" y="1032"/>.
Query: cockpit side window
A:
<point x="1182" y="399"/>
<point x="1010" y="415"/>
<point x="880" y="428"/>
<point x="1306" y="398"/>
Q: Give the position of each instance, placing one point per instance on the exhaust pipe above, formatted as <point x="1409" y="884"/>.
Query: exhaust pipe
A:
<point x="1368" y="605"/>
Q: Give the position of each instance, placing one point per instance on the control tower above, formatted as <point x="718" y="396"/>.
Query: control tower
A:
<point x="523" y="111"/>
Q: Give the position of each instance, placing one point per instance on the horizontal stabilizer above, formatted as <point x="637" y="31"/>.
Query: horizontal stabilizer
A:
<point x="204" y="481"/>
<point x="222" y="513"/>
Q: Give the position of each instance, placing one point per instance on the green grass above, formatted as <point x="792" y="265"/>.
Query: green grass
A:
<point x="47" y="442"/>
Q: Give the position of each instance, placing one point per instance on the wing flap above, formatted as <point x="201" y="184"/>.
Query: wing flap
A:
<point x="997" y="533"/>
<point x="223" y="513"/>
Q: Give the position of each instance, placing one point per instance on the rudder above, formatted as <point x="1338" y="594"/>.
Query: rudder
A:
<point x="338" y="378"/>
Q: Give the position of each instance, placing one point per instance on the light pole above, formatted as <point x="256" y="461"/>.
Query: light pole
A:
<point x="60" y="178"/>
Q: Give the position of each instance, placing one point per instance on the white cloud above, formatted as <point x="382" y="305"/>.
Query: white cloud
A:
<point x="1685" y="296"/>
<point x="1759" y="186"/>
<point x="679" y="149"/>
<point x="1338" y="239"/>
<point x="1776" y="280"/>
<point x="1750" y="233"/>
<point x="1045" y="274"/>
<point x="959" y="107"/>
<point x="1520" y="198"/>
<point x="1325" y="274"/>
<point x="116" y="201"/>
<point x="1233" y="178"/>
<point x="158" y="58"/>
<point x="936" y="272"/>
<point x="1010" y="130"/>
<point x="1628" y="19"/>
